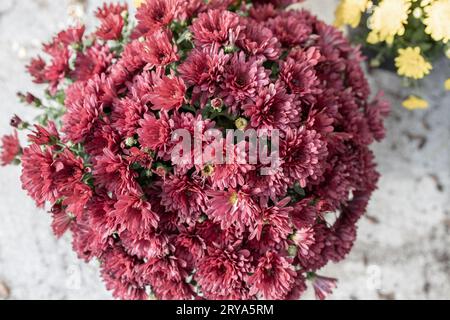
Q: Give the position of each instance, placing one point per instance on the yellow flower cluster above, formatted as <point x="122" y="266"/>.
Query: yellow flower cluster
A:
<point x="413" y="103"/>
<point x="447" y="84"/>
<point x="410" y="63"/>
<point x="349" y="12"/>
<point x="437" y="20"/>
<point x="389" y="18"/>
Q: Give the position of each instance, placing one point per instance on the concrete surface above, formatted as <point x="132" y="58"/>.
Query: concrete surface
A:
<point x="402" y="251"/>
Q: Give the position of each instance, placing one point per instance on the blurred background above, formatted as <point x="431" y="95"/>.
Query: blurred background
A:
<point x="403" y="245"/>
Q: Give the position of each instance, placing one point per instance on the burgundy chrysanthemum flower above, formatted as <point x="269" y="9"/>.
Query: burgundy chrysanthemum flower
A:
<point x="290" y="28"/>
<point x="155" y="15"/>
<point x="272" y="109"/>
<point x="120" y="275"/>
<point x="273" y="278"/>
<point x="222" y="274"/>
<point x="184" y="196"/>
<point x="10" y="148"/>
<point x="58" y="69"/>
<point x="108" y="9"/>
<point x="216" y="27"/>
<point x="111" y="20"/>
<point x="204" y="70"/>
<point x="154" y="133"/>
<point x="206" y="217"/>
<point x="71" y="35"/>
<point x="263" y="12"/>
<point x="146" y="246"/>
<point x="323" y="286"/>
<point x="36" y="68"/>
<point x="75" y="199"/>
<point x="273" y="226"/>
<point x="168" y="276"/>
<point x="61" y="220"/>
<point x="167" y="93"/>
<point x="37" y="174"/>
<point x="258" y="40"/>
<point x="42" y="136"/>
<point x="126" y="115"/>
<point x="189" y="8"/>
<point x="311" y="255"/>
<point x="298" y="74"/>
<point x="243" y="78"/>
<point x="80" y="118"/>
<point x="134" y="214"/>
<point x="112" y="172"/>
<point x="94" y="62"/>
<point x="68" y="170"/>
<point x="230" y="174"/>
<point x="158" y="49"/>
<point x="232" y="208"/>
<point x="303" y="152"/>
<point x="298" y="288"/>
<point x="190" y="247"/>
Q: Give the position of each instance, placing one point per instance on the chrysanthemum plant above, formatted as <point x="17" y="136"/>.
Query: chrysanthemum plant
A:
<point x="405" y="36"/>
<point x="131" y="112"/>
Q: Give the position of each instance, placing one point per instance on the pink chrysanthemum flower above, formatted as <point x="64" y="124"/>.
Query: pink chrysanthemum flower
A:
<point x="184" y="195"/>
<point x="112" y="21"/>
<point x="289" y="29"/>
<point x="94" y="62"/>
<point x="272" y="109"/>
<point x="42" y="136"/>
<point x="61" y="220"/>
<point x="323" y="286"/>
<point x="167" y="93"/>
<point x="273" y="278"/>
<point x="204" y="71"/>
<point x="232" y="208"/>
<point x="303" y="152"/>
<point x="134" y="214"/>
<point x="222" y="274"/>
<point x="298" y="74"/>
<point x="273" y="226"/>
<point x="10" y="148"/>
<point x="154" y="133"/>
<point x="243" y="78"/>
<point x="258" y="40"/>
<point x="37" y="174"/>
<point x="159" y="50"/>
<point x="155" y="15"/>
<point x="112" y="172"/>
<point x="216" y="27"/>
<point x="230" y="174"/>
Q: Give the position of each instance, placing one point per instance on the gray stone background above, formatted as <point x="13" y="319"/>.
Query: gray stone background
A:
<point x="403" y="246"/>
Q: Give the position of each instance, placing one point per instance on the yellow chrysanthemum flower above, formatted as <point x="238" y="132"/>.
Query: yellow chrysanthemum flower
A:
<point x="138" y="3"/>
<point x="424" y="3"/>
<point x="447" y="84"/>
<point x="437" y="20"/>
<point x="410" y="63"/>
<point x="349" y="12"/>
<point x="388" y="20"/>
<point x="413" y="103"/>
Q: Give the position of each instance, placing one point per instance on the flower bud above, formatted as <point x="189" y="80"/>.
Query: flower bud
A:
<point x="217" y="104"/>
<point x="241" y="123"/>
<point x="15" y="121"/>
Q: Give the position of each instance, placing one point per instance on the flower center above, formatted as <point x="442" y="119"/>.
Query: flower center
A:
<point x="233" y="198"/>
